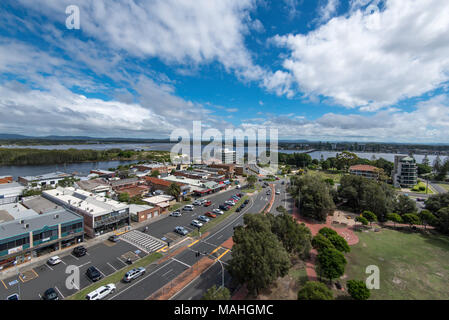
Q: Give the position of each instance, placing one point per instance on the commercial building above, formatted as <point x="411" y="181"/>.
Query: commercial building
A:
<point x="124" y="183"/>
<point x="163" y="202"/>
<point x="405" y="172"/>
<point x="101" y="214"/>
<point x="141" y="213"/>
<point x="364" y="170"/>
<point x="103" y="173"/>
<point x="227" y="169"/>
<point x="34" y="235"/>
<point x="98" y="186"/>
<point x="164" y="185"/>
<point x="49" y="179"/>
<point x="10" y="192"/>
<point x="228" y="156"/>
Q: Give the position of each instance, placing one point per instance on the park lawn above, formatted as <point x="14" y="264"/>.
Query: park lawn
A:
<point x="327" y="175"/>
<point x="116" y="276"/>
<point x="426" y="190"/>
<point x="178" y="205"/>
<point x="412" y="265"/>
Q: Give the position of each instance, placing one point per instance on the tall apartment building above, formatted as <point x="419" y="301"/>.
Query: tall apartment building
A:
<point x="405" y="172"/>
<point x="228" y="156"/>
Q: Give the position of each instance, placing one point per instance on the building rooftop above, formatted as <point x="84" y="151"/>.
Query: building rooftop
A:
<point x="159" y="199"/>
<point x="12" y="211"/>
<point x="162" y="182"/>
<point x="136" y="208"/>
<point x="10" y="185"/>
<point x="120" y="182"/>
<point x="96" y="205"/>
<point x="363" y="167"/>
<point x="40" y="204"/>
<point x="93" y="184"/>
<point x="47" y="176"/>
<point x="37" y="222"/>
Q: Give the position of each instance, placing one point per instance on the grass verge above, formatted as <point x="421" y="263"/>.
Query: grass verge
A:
<point x="213" y="222"/>
<point x="116" y="276"/>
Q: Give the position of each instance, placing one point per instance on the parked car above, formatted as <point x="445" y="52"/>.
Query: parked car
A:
<point x="210" y="214"/>
<point x="176" y="213"/>
<point x="188" y="207"/>
<point x="181" y="230"/>
<point x="114" y="238"/>
<point x="101" y="292"/>
<point x="14" y="296"/>
<point x="93" y="273"/>
<point x="207" y="203"/>
<point x="236" y="198"/>
<point x="238" y="186"/>
<point x="240" y="195"/>
<point x="246" y="201"/>
<point x="54" y="260"/>
<point x="196" y="203"/>
<point x="203" y="218"/>
<point x="134" y="274"/>
<point x="283" y="182"/>
<point x="217" y="211"/>
<point x="238" y="209"/>
<point x="278" y="192"/>
<point x="196" y="223"/>
<point x="79" y="251"/>
<point x="50" y="294"/>
<point x="230" y="203"/>
<point x="224" y="207"/>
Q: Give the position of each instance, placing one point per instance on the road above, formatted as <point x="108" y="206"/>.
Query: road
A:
<point x="173" y="267"/>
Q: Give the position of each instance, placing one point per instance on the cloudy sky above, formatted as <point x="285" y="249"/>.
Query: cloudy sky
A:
<point x="362" y="70"/>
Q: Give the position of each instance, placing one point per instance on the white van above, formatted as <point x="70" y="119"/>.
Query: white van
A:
<point x="101" y="292"/>
<point x="188" y="207"/>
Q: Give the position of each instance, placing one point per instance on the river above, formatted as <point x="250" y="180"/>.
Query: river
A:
<point x="85" y="167"/>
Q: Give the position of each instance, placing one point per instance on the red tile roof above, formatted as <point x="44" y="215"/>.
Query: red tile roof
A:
<point x="160" y="182"/>
<point x="363" y="167"/>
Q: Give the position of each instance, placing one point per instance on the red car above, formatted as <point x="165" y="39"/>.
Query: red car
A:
<point x="210" y="215"/>
<point x="207" y="203"/>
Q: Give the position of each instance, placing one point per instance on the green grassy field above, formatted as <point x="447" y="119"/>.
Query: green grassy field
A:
<point x="412" y="265"/>
<point x="445" y="186"/>
<point x="327" y="175"/>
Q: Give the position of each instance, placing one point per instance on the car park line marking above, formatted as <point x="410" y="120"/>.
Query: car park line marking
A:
<point x="74" y="256"/>
<point x="161" y="249"/>
<point x="63" y="262"/>
<point x="188" y="266"/>
<point x="35" y="273"/>
<point x="40" y="296"/>
<point x="220" y="237"/>
<point x="220" y="256"/>
<point x="192" y="243"/>
<point x="4" y="285"/>
<point x="138" y="281"/>
<point x="111" y="266"/>
<point x="49" y="267"/>
<point x="59" y="292"/>
<point x="167" y="272"/>
<point x="121" y="260"/>
<point x="101" y="272"/>
<point x="84" y="264"/>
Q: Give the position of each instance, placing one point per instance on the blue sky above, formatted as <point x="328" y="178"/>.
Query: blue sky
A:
<point x="361" y="70"/>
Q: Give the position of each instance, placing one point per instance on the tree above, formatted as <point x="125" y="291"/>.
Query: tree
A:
<point x="314" y="290"/>
<point x="320" y="242"/>
<point x="370" y="216"/>
<point x="338" y="242"/>
<point x="295" y="237"/>
<point x="313" y="197"/>
<point x="395" y="218"/>
<point x="411" y="219"/>
<point x="443" y="220"/>
<point x="155" y="173"/>
<point x="358" y="290"/>
<point x="215" y="293"/>
<point x="405" y="205"/>
<point x="123" y="197"/>
<point x="174" y="190"/>
<point x="331" y="263"/>
<point x="436" y="202"/>
<point x="258" y="257"/>
<point x="325" y="165"/>
<point x="251" y="180"/>
<point x="362" y="220"/>
<point x="346" y="159"/>
<point x="426" y="217"/>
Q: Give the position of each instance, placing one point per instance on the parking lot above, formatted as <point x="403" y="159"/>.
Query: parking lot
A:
<point x="106" y="256"/>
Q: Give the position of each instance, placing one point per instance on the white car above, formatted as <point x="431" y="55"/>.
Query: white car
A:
<point x="278" y="192"/>
<point x="54" y="261"/>
<point x="101" y="292"/>
<point x="196" y="223"/>
<point x="188" y="207"/>
<point x="217" y="211"/>
<point x="197" y="203"/>
<point x="230" y="203"/>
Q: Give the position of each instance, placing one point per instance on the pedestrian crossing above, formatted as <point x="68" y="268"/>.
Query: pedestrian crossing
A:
<point x="143" y="241"/>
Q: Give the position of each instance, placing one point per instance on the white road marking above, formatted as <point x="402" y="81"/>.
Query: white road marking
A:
<point x="111" y="266"/>
<point x="49" y="267"/>
<point x="63" y="262"/>
<point x="84" y="264"/>
<point x="167" y="272"/>
<point x="74" y="256"/>
<point x="188" y="266"/>
<point x="60" y="292"/>
<point x="121" y="260"/>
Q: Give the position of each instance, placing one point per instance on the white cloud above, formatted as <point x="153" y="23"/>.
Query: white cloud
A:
<point x="373" y="60"/>
<point x="427" y="123"/>
<point x="325" y="13"/>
